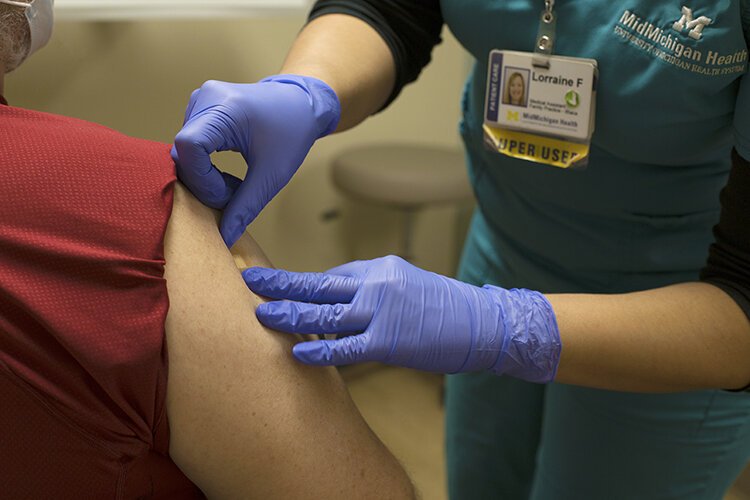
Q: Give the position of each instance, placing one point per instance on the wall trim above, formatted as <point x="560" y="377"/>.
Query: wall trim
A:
<point x="126" y="10"/>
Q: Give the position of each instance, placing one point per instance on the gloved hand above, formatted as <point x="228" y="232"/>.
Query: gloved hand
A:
<point x="272" y="123"/>
<point x="398" y="314"/>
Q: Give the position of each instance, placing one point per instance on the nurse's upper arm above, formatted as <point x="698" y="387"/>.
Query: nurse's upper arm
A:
<point x="741" y="124"/>
<point x="246" y="419"/>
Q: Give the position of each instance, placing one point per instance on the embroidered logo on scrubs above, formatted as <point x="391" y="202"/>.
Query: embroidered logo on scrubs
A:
<point x="694" y="25"/>
<point x="679" y="50"/>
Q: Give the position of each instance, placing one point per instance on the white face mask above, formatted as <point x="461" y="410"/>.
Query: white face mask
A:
<point x="40" y="15"/>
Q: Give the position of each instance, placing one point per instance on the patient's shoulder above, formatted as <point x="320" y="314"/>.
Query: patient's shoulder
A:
<point x="246" y="419"/>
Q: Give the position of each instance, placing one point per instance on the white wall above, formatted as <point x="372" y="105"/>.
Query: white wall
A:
<point x="136" y="77"/>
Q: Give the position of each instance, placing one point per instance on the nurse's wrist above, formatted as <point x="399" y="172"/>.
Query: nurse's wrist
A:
<point x="324" y="101"/>
<point x="531" y="337"/>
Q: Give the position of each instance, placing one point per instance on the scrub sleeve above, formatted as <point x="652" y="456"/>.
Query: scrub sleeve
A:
<point x="639" y="217"/>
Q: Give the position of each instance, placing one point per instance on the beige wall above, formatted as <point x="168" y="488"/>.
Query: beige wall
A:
<point x="137" y="77"/>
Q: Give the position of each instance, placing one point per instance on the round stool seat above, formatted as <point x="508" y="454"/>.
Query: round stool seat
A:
<point x="404" y="176"/>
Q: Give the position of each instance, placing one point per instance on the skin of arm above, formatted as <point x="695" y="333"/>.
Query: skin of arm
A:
<point x="351" y="57"/>
<point x="246" y="420"/>
<point x="681" y="337"/>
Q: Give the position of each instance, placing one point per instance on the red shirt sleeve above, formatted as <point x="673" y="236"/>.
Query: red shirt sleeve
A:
<point x="83" y="300"/>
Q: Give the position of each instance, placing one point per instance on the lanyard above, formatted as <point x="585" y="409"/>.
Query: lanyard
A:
<point x="545" y="40"/>
<point x="549" y="6"/>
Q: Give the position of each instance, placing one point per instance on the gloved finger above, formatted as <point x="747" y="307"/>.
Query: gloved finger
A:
<point x="354" y="268"/>
<point x="245" y="205"/>
<point x="343" y="351"/>
<point x="233" y="183"/>
<point x="191" y="105"/>
<point x="301" y="317"/>
<point x="174" y="155"/>
<point x="306" y="287"/>
<point x="194" y="145"/>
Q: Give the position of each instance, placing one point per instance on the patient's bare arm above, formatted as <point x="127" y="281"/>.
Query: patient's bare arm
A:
<point x="246" y="420"/>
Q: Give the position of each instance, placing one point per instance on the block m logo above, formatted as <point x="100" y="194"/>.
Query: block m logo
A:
<point x="694" y="25"/>
<point x="512" y="116"/>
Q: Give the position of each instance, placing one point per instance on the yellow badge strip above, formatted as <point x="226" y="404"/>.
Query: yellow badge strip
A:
<point x="536" y="148"/>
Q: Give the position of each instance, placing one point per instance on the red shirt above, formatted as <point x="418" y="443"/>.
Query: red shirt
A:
<point x="83" y="364"/>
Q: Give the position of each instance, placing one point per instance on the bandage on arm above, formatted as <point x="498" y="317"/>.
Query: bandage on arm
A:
<point x="246" y="420"/>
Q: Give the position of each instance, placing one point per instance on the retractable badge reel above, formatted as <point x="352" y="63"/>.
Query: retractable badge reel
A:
<point x="540" y="107"/>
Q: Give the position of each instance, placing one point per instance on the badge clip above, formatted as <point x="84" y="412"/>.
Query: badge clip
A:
<point x="545" y="39"/>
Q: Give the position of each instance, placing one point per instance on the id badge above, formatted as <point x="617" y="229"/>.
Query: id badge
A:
<point x="540" y="113"/>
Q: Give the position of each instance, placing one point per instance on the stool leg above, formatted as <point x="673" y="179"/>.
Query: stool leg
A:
<point x="462" y="218"/>
<point x="407" y="236"/>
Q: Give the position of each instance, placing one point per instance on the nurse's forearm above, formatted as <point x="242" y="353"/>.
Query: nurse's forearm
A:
<point x="687" y="336"/>
<point x="351" y="58"/>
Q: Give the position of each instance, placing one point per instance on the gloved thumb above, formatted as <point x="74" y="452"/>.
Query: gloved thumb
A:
<point x="191" y="153"/>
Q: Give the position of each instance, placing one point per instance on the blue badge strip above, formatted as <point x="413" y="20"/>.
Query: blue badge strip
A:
<point x="494" y="78"/>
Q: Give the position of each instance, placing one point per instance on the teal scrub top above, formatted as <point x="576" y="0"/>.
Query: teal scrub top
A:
<point x="671" y="104"/>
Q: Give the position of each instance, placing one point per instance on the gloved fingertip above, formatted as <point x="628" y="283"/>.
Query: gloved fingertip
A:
<point x="230" y="234"/>
<point x="235" y="220"/>
<point x="266" y="309"/>
<point x="257" y="276"/>
<point x="313" y="353"/>
<point x="273" y="315"/>
<point x="261" y="280"/>
<point x="212" y="191"/>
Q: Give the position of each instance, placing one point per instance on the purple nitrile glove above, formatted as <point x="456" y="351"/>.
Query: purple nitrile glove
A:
<point x="396" y="313"/>
<point x="272" y="123"/>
